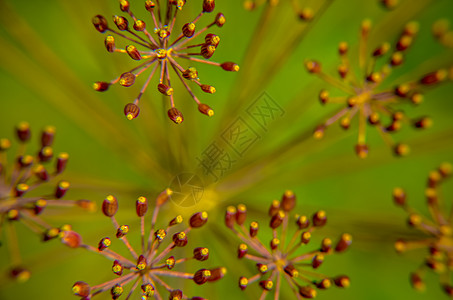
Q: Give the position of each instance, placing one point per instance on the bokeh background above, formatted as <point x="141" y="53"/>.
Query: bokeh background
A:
<point x="50" y="55"/>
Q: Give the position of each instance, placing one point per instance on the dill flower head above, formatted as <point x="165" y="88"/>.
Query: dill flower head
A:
<point x="282" y="259"/>
<point x="364" y="96"/>
<point x="151" y="261"/>
<point x="437" y="228"/>
<point x="18" y="178"/>
<point x="161" y="49"/>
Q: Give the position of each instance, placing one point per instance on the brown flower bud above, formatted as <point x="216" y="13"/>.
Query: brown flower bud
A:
<point x="262" y="268"/>
<point x="124" y="5"/>
<point x="302" y="222"/>
<point x="208" y="6"/>
<point x="176" y="220"/>
<point x="122" y="231"/>
<point x="230" y="216"/>
<point x="343" y="48"/>
<point x="190" y="73"/>
<point x="201" y="276"/>
<point x="242" y="250"/>
<point x="62" y="188"/>
<point x="21" y="189"/>
<point x="277" y="219"/>
<point x="434" y="77"/>
<point x="121" y="23"/>
<point x="323" y="96"/>
<point x="241" y="214"/>
<point x="205" y="109"/>
<point x="109" y="43"/>
<point x="175" y="115"/>
<point x="5" y="144"/>
<point x="160" y="234"/>
<point x="163" y="197"/>
<point x="243" y="282"/>
<point x="305" y="237"/>
<point x="116" y="291"/>
<point x="45" y="154"/>
<point x="133" y="52"/>
<point x="220" y="20"/>
<point x="212" y="39"/>
<point x="317" y="261"/>
<point x="41" y="172"/>
<point x="188" y="30"/>
<point x="180" y="239"/>
<point x="344" y="242"/>
<point x="274" y="243"/>
<point x="117" y="268"/>
<point x="323" y="284"/>
<point x="288" y="201"/>
<point x="342" y="281"/>
<point x="139" y="25"/>
<point x="207" y="51"/>
<point x="208" y="88"/>
<point x="266" y="284"/>
<point x="361" y="150"/>
<point x="148" y="290"/>
<point x="62" y="160"/>
<point x="71" y="239"/>
<point x="201" y="253"/>
<point x="110" y="206"/>
<point x="230" y="66"/>
<point x="175" y="295"/>
<point x="104" y="244"/>
<point x="253" y="229"/>
<point x="307" y="292"/>
<point x="401" y="149"/>
<point x="217" y="274"/>
<point x="170" y="262"/>
<point x="141" y="263"/>
<point x="47" y="136"/>
<point x="127" y="79"/>
<point x="313" y="66"/>
<point x="100" y="23"/>
<point x="291" y="271"/>
<point x="81" y="289"/>
<point x="141" y="206"/>
<point x="326" y="245"/>
<point x="101" y="86"/>
<point x="198" y="219"/>
<point x="39" y="206"/>
<point x="319" y="219"/>
<point x="50" y="234"/>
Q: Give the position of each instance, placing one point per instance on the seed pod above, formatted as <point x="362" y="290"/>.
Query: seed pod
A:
<point x="71" y="239"/>
<point x="141" y="263"/>
<point x="124" y="5"/>
<point x="180" y="239"/>
<point x="141" y="206"/>
<point x="361" y="150"/>
<point x="201" y="253"/>
<point x="117" y="268"/>
<point x="207" y="51"/>
<point x="319" y="219"/>
<point x="307" y="292"/>
<point x="121" y="23"/>
<point x="148" y="290"/>
<point x="208" y="6"/>
<point x="305" y="237"/>
<point x="110" y="206"/>
<point x="109" y="43"/>
<point x="188" y="30"/>
<point x="133" y="52"/>
<point x="266" y="284"/>
<point x="139" y="25"/>
<point x="243" y="282"/>
<point x="149" y="5"/>
<point x="302" y="222"/>
<point x="47" y="136"/>
<point x="101" y="86"/>
<point x="81" y="289"/>
<point x="344" y="242"/>
<point x="104" y="244"/>
<point x="212" y="39"/>
<point x="313" y="66"/>
<point x="176" y="220"/>
<point x="100" y="23"/>
<point x="230" y="216"/>
<point x="241" y="214"/>
<point x="116" y="291"/>
<point x="201" y="276"/>
<point x="253" y="229"/>
<point x="291" y="271"/>
<point x="217" y="274"/>
<point x="62" y="160"/>
<point x="199" y="219"/>
<point x="163" y="197"/>
<point x="277" y="219"/>
<point x="342" y="281"/>
<point x="288" y="201"/>
<point x="399" y="196"/>
<point x="230" y="66"/>
<point x="122" y="231"/>
<point x="220" y="20"/>
<point x="326" y="245"/>
<point x="208" y="88"/>
<point x="62" y="188"/>
<point x="242" y="250"/>
<point x="205" y="109"/>
<point x="170" y="262"/>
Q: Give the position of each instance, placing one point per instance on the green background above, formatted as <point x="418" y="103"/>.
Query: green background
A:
<point x="50" y="55"/>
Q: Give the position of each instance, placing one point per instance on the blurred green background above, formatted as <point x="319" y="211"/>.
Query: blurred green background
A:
<point x="50" y="55"/>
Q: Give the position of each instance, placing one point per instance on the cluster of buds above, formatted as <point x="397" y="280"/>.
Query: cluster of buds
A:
<point x="150" y="262"/>
<point x="364" y="98"/>
<point x="18" y="178"/>
<point x="437" y="230"/>
<point x="303" y="13"/>
<point x="278" y="260"/>
<point x="160" y="54"/>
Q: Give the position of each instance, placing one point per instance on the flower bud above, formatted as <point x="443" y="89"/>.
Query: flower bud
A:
<point x="175" y="115"/>
<point x="81" y="289"/>
<point x="117" y="268"/>
<point x="230" y="66"/>
<point x="100" y="23"/>
<point x="110" y="206"/>
<point x="201" y="276"/>
<point x="253" y="229"/>
<point x="122" y="231"/>
<point x="141" y="206"/>
<point x="208" y="6"/>
<point x="198" y="219"/>
<point x="180" y="239"/>
<point x="201" y="253"/>
<point x="62" y="188"/>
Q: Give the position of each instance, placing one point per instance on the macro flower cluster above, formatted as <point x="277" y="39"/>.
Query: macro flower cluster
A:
<point x="164" y="47"/>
